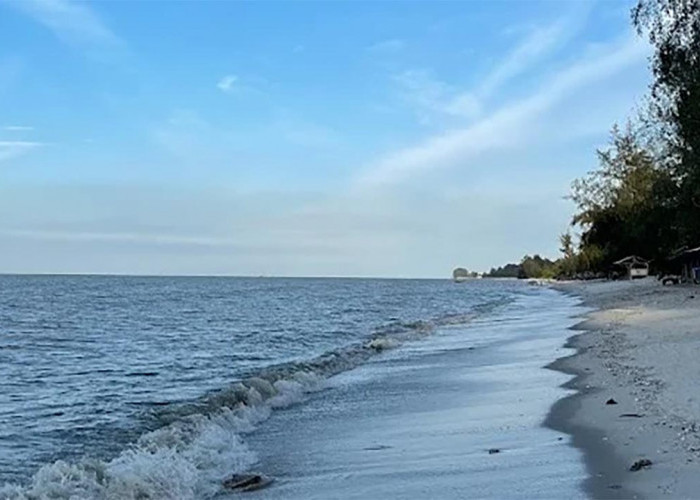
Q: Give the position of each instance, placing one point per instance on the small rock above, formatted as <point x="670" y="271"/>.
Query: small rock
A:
<point x="493" y="451"/>
<point x="246" y="482"/>
<point x="614" y="486"/>
<point x="640" y="464"/>
<point x="611" y="401"/>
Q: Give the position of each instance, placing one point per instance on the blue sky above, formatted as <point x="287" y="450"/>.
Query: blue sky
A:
<point x="301" y="138"/>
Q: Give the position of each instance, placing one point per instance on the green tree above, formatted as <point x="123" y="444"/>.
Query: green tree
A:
<point x="627" y="206"/>
<point x="673" y="28"/>
<point x="460" y="273"/>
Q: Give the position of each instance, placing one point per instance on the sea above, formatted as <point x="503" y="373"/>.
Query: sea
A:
<point x="116" y="387"/>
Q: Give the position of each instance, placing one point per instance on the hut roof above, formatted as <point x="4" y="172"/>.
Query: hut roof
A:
<point x="630" y="260"/>
<point x="685" y="252"/>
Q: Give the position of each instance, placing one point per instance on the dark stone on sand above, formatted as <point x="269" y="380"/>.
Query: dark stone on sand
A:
<point x="246" y="482"/>
<point x="614" y="486"/>
<point x="640" y="464"/>
<point x="631" y="415"/>
<point x="611" y="401"/>
<point x="493" y="451"/>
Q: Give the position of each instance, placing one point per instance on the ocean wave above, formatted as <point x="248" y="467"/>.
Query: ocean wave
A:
<point x="187" y="459"/>
<point x="199" y="444"/>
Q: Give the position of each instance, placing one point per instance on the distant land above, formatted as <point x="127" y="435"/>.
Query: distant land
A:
<point x="529" y="267"/>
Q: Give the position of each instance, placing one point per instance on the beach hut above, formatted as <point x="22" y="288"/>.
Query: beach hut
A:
<point x="634" y="266"/>
<point x="688" y="260"/>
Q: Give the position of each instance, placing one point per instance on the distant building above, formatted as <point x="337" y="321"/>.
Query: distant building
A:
<point x="633" y="266"/>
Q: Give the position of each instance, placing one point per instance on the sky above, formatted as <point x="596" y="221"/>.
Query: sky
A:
<point x="387" y="138"/>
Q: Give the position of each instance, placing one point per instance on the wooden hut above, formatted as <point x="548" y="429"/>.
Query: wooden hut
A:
<point x="634" y="266"/>
<point x="688" y="261"/>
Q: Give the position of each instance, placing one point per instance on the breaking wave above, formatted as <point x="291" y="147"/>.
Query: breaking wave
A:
<point x="200" y="443"/>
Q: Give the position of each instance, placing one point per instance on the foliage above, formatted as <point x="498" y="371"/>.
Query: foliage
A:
<point x="507" y="271"/>
<point x="537" y="267"/>
<point x="462" y="273"/>
<point x="673" y="28"/>
<point x="627" y="206"/>
<point x="644" y="197"/>
<point x="529" y="267"/>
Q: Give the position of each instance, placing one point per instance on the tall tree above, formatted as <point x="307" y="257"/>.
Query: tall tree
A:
<point x="626" y="206"/>
<point x="673" y="28"/>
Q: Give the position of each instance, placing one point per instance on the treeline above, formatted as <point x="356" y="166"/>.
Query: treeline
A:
<point x="541" y="267"/>
<point x="644" y="197"/>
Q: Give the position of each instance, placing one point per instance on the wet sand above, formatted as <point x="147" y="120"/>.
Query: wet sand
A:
<point x="640" y="347"/>
<point x="419" y="421"/>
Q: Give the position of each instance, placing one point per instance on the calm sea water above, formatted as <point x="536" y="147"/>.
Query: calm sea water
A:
<point x="130" y="387"/>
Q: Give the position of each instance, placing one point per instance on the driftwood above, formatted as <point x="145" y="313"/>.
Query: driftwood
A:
<point x="246" y="482"/>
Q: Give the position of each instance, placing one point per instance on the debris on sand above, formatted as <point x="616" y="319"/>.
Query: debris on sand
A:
<point x="640" y="464"/>
<point x="246" y="482"/>
<point x="493" y="451"/>
<point x="611" y="401"/>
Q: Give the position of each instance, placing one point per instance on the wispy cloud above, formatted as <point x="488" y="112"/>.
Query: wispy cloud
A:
<point x="130" y="237"/>
<point x="389" y="46"/>
<point x="430" y="96"/>
<point x="509" y="125"/>
<point x="14" y="149"/>
<point x="74" y="23"/>
<point x="17" y="128"/>
<point x="227" y="83"/>
<point x="539" y="43"/>
<point x="249" y="85"/>
<point x="425" y="93"/>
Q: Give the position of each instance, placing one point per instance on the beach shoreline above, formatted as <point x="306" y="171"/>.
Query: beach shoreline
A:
<point x="635" y="347"/>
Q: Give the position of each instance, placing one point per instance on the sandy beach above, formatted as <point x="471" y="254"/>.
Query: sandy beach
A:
<point x="639" y="347"/>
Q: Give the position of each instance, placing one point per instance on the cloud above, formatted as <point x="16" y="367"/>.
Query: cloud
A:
<point x="74" y="23"/>
<point x="18" y="128"/>
<point x="14" y="149"/>
<point x="539" y="43"/>
<point x="389" y="46"/>
<point x="432" y="97"/>
<point x="227" y="83"/>
<point x="508" y="127"/>
<point x="424" y="92"/>
<point x="125" y="237"/>
<point x="166" y="230"/>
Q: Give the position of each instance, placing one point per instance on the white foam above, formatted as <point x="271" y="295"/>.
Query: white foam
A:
<point x="190" y="457"/>
<point x="185" y="460"/>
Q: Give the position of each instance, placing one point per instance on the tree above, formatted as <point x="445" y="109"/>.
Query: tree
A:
<point x="567" y="265"/>
<point x="460" y="273"/>
<point x="567" y="245"/>
<point x="627" y="206"/>
<point x="673" y="27"/>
